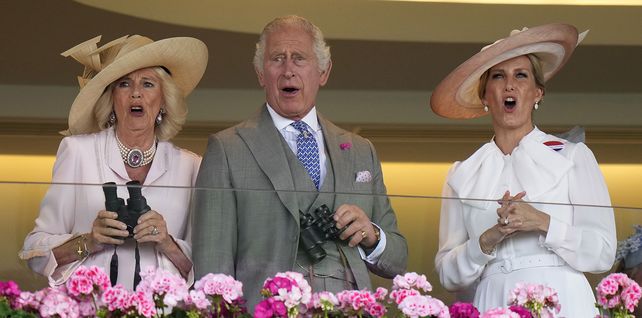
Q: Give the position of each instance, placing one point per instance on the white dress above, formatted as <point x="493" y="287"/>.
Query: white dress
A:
<point x="579" y="238"/>
<point x="83" y="164"/>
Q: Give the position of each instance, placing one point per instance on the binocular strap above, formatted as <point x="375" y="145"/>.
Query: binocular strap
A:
<point x="113" y="267"/>
<point x="344" y="262"/>
<point x="137" y="268"/>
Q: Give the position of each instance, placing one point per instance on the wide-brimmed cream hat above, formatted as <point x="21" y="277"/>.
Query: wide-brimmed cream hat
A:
<point x="184" y="58"/>
<point x="457" y="94"/>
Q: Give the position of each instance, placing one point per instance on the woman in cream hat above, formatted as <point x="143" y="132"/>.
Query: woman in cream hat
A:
<point x="131" y="102"/>
<point x="490" y="236"/>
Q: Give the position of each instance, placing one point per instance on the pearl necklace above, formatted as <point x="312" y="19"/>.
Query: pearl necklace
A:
<point x="135" y="157"/>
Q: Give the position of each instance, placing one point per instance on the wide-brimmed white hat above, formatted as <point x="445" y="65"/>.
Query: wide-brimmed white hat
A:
<point x="184" y="58"/>
<point x="457" y="94"/>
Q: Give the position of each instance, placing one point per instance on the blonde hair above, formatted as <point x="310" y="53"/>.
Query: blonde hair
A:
<point x="175" y="107"/>
<point x="321" y="49"/>
<point x="538" y="73"/>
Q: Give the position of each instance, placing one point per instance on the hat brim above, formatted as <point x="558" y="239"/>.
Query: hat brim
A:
<point x="457" y="94"/>
<point x="184" y="57"/>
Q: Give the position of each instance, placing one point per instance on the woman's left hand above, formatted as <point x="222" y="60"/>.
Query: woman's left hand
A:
<point x="521" y="216"/>
<point x="153" y="228"/>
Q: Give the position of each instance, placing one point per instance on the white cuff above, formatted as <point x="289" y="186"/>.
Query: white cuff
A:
<point x="373" y="257"/>
<point x="556" y="234"/>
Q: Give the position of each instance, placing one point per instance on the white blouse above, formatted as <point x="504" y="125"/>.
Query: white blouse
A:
<point x="83" y="164"/>
<point x="554" y="173"/>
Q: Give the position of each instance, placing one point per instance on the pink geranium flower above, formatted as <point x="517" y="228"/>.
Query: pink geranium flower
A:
<point x="29" y="301"/>
<point x="198" y="299"/>
<point x="56" y="303"/>
<point x="275" y="284"/>
<point x="540" y="300"/>
<point x="463" y="310"/>
<point x="324" y="300"/>
<point x="143" y="303"/>
<point x="162" y="285"/>
<point x="500" y="313"/>
<point x="87" y="281"/>
<point x="411" y="280"/>
<point x="86" y="308"/>
<point x="358" y="302"/>
<point x="399" y="295"/>
<point x="222" y="285"/>
<point x="380" y="294"/>
<point x="269" y="308"/>
<point x="617" y="295"/>
<point x="423" y="306"/>
<point x="287" y="290"/>
<point x="10" y="290"/>
<point x="521" y="311"/>
<point x="116" y="298"/>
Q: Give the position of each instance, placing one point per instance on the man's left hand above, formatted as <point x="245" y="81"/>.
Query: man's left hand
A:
<point x="359" y="228"/>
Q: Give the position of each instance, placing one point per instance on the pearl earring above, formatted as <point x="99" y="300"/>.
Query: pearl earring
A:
<point x="536" y="105"/>
<point x="486" y="108"/>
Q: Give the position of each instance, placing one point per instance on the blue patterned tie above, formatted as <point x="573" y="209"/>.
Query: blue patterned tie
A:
<point x="307" y="151"/>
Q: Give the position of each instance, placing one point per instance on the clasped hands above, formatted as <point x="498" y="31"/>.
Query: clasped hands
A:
<point x="151" y="227"/>
<point x="359" y="228"/>
<point x="514" y="215"/>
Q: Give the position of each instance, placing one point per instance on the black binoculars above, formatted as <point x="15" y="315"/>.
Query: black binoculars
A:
<point x="130" y="212"/>
<point x="317" y="228"/>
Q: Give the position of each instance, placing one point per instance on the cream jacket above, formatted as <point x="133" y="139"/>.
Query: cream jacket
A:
<point x="83" y="164"/>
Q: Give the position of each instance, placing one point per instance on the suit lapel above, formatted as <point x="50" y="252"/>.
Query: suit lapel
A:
<point x="341" y="158"/>
<point x="264" y="141"/>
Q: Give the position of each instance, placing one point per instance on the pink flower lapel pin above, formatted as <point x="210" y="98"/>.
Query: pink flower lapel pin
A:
<point x="345" y="146"/>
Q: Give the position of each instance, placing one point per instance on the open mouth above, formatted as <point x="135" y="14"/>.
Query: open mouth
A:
<point x="510" y="103"/>
<point x="290" y="90"/>
<point x="136" y="109"/>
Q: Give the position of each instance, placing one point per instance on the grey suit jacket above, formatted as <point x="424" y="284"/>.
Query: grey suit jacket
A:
<point x="246" y="215"/>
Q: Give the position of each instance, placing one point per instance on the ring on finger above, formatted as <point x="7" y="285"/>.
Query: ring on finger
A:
<point x="154" y="230"/>
<point x="363" y="234"/>
<point x="506" y="221"/>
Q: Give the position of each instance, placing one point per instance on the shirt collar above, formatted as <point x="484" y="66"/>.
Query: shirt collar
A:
<point x="533" y="134"/>
<point x="281" y="122"/>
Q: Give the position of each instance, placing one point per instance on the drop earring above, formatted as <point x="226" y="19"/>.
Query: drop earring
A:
<point x="536" y="106"/>
<point x="159" y="117"/>
<point x="111" y="120"/>
<point x="486" y="108"/>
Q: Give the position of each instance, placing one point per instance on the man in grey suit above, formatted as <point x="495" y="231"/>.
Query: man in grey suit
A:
<point x="258" y="177"/>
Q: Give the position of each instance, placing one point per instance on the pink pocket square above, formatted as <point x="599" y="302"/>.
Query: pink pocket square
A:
<point x="363" y="176"/>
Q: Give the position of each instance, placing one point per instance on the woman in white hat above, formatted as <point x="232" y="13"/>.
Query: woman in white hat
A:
<point x="131" y="102"/>
<point x="490" y="236"/>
